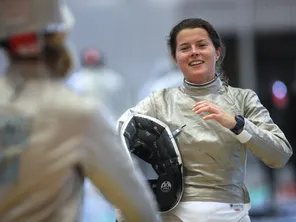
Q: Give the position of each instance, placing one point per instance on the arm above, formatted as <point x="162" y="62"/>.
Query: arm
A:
<point x="260" y="134"/>
<point x="267" y="140"/>
<point x="144" y="107"/>
<point x="110" y="168"/>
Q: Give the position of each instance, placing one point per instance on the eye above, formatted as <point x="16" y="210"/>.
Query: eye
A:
<point x="202" y="45"/>
<point x="185" y="48"/>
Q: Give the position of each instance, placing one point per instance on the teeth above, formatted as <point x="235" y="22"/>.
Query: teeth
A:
<point x="196" y="63"/>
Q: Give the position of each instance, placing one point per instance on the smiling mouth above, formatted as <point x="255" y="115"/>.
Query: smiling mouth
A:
<point x="196" y="63"/>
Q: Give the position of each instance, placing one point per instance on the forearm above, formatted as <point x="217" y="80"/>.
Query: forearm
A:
<point x="116" y="177"/>
<point x="271" y="146"/>
<point x="267" y="140"/>
<point x="111" y="169"/>
<point x="119" y="216"/>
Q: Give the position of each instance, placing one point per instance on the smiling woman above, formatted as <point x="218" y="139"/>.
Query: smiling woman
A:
<point x="197" y="50"/>
<point x="222" y="122"/>
<point x="196" y="55"/>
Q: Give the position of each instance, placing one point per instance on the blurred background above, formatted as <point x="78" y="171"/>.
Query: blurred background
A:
<point x="127" y="54"/>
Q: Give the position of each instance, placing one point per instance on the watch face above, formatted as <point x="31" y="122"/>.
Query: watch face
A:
<point x="240" y="119"/>
<point x="240" y="122"/>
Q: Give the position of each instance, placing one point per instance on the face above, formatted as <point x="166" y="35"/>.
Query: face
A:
<point x="196" y="55"/>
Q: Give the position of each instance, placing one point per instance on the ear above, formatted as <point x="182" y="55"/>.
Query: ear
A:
<point x="218" y="54"/>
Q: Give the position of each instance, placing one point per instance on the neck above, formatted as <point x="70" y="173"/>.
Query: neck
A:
<point x="29" y="69"/>
<point x="202" y="84"/>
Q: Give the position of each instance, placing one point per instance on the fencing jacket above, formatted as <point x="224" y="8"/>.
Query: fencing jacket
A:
<point x="214" y="158"/>
<point x="50" y="140"/>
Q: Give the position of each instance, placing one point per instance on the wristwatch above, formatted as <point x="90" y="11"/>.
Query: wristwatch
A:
<point x="240" y="123"/>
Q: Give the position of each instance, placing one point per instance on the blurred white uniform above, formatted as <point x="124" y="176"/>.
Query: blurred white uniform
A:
<point x="164" y="75"/>
<point x="96" y="80"/>
<point x="102" y="84"/>
<point x="171" y="79"/>
<point x="51" y="139"/>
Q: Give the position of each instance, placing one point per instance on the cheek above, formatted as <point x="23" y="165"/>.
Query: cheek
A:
<point x="211" y="56"/>
<point x="181" y="60"/>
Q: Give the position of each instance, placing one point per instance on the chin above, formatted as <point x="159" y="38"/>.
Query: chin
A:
<point x="197" y="78"/>
<point x="198" y="75"/>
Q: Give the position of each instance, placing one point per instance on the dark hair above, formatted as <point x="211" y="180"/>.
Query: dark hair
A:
<point x="192" y="23"/>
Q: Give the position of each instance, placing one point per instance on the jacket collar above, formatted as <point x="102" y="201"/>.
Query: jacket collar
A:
<point x="210" y="87"/>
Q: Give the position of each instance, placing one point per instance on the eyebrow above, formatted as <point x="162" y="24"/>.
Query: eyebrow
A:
<point x="185" y="43"/>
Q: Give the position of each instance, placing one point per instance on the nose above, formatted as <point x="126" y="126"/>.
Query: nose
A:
<point x="194" y="51"/>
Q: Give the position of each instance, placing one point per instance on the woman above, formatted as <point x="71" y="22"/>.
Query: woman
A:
<point x="51" y="138"/>
<point x="222" y="122"/>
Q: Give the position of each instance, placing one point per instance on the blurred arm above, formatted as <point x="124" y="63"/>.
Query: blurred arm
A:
<point x="144" y="107"/>
<point x="110" y="168"/>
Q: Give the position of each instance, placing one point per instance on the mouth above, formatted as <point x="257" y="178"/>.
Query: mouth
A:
<point x="196" y="63"/>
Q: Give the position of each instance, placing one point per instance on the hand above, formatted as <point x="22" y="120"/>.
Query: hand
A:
<point x="215" y="113"/>
<point x="119" y="216"/>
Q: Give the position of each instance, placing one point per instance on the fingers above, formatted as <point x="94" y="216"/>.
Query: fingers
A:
<point x="214" y="112"/>
<point x="211" y="116"/>
<point x="198" y="107"/>
<point x="204" y="106"/>
<point x="207" y="109"/>
<point x="200" y="103"/>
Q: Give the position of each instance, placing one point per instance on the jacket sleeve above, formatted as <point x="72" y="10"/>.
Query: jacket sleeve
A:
<point x="145" y="107"/>
<point x="267" y="141"/>
<point x="109" y="166"/>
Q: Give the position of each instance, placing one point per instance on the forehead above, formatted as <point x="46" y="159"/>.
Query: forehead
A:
<point x="191" y="35"/>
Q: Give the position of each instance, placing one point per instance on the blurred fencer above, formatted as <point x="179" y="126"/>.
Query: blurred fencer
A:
<point x="51" y="137"/>
<point x="99" y="82"/>
<point x="95" y="79"/>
